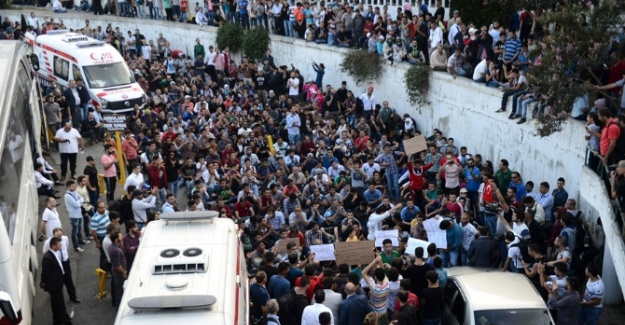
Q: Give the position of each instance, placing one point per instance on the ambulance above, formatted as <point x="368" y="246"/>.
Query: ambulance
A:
<point x="189" y="269"/>
<point x="66" y="56"/>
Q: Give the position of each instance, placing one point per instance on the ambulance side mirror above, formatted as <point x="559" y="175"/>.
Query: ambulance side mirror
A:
<point x="34" y="61"/>
<point x="7" y="308"/>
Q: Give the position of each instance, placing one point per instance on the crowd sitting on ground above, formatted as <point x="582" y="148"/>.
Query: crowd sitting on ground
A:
<point x="284" y="158"/>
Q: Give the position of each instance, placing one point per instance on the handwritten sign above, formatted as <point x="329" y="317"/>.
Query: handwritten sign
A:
<point x="323" y="252"/>
<point x="415" y="145"/>
<point x="283" y="242"/>
<point x="355" y="252"/>
<point x="435" y="234"/>
<point x="381" y="235"/>
<point x="413" y="243"/>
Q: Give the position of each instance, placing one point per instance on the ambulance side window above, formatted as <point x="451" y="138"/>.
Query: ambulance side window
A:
<point x="76" y="72"/>
<point x="61" y="68"/>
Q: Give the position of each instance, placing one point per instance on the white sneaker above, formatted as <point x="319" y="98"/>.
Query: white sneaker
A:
<point x="79" y="250"/>
<point x="85" y="242"/>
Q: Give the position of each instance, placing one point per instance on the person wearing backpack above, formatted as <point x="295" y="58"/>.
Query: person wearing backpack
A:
<point x="514" y="261"/>
<point x="272" y="313"/>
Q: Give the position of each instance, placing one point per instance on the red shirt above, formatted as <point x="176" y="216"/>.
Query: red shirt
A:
<point x="616" y="74"/>
<point x="306" y="148"/>
<point x="243" y="209"/>
<point x="412" y="299"/>
<point x="158" y="176"/>
<point x="416" y="176"/>
<point x="610" y="132"/>
<point x="315" y="283"/>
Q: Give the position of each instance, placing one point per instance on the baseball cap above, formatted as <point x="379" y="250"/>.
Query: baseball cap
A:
<point x="90" y="158"/>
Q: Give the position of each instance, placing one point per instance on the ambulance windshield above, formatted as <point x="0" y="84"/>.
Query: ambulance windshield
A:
<point x="107" y="75"/>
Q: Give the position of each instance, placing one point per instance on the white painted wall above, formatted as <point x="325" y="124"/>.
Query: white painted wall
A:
<point x="597" y="205"/>
<point x="460" y="108"/>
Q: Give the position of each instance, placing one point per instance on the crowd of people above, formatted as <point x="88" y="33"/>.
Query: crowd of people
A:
<point x="285" y="157"/>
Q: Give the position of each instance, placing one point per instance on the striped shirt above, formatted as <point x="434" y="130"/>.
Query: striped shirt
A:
<point x="378" y="295"/>
<point x="99" y="222"/>
<point x="513" y="46"/>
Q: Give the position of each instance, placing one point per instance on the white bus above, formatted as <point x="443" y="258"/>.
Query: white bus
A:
<point x="189" y="269"/>
<point x="20" y="130"/>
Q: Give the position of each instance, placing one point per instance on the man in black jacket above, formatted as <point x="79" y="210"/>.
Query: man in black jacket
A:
<point x="72" y="99"/>
<point x="52" y="280"/>
<point x="483" y="250"/>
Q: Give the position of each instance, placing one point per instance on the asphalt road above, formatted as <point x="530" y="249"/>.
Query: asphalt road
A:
<point x="91" y="311"/>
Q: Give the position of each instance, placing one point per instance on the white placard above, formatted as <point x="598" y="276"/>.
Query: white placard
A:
<point x="381" y="235"/>
<point x="323" y="252"/>
<point x="414" y="243"/>
<point x="435" y="234"/>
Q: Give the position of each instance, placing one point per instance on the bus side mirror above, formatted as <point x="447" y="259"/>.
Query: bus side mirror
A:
<point x="7" y="308"/>
<point x="34" y="61"/>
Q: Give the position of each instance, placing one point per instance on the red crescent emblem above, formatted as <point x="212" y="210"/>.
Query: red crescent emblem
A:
<point x="93" y="58"/>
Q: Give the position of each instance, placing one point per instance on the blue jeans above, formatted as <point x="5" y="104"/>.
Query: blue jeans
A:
<point x="508" y="93"/>
<point x="590" y="315"/>
<point x="524" y="105"/>
<point x="288" y="27"/>
<point x="392" y="181"/>
<point x="151" y="10"/>
<point x="76" y="232"/>
<point x="450" y="258"/>
<point x="465" y="257"/>
<point x="174" y="187"/>
<point x="491" y="222"/>
<point x="435" y="321"/>
<point x="140" y="10"/>
<point x="493" y="84"/>
<point x="294" y="139"/>
<point x="245" y="20"/>
<point x="213" y="189"/>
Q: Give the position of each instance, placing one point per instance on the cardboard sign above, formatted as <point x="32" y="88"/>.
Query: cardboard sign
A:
<point x="415" y="145"/>
<point x="323" y="252"/>
<point x="414" y="243"/>
<point x="381" y="235"/>
<point x="354" y="253"/>
<point x="283" y="242"/>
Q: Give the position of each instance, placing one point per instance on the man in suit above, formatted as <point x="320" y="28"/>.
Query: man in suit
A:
<point x="354" y="308"/>
<point x="72" y="98"/>
<point x="67" y="276"/>
<point x="52" y="278"/>
<point x="483" y="250"/>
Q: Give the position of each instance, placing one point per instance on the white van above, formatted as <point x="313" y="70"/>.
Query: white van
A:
<point x="189" y="269"/>
<point x="66" y="56"/>
<point x="475" y="296"/>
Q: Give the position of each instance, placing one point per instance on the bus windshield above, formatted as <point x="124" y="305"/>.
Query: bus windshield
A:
<point x="107" y="75"/>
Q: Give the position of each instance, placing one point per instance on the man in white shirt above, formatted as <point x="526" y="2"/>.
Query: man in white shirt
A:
<point x="368" y="103"/>
<point x="293" y="123"/>
<point x="375" y="219"/>
<point x="135" y="178"/>
<point x="57" y="7"/>
<point x="34" y="22"/>
<point x="311" y="313"/>
<point x="140" y="206"/>
<point x="479" y="74"/>
<point x="64" y="258"/>
<point x="44" y="185"/>
<point x="293" y="85"/>
<point x="370" y="167"/>
<point x="50" y="219"/>
<point x="200" y="18"/>
<point x="70" y="141"/>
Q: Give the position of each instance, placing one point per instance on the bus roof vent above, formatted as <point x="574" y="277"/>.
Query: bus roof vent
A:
<point x="90" y="43"/>
<point x="189" y="215"/>
<point x="74" y="37"/>
<point x="170" y="302"/>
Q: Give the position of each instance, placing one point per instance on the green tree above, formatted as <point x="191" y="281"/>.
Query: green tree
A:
<point x="230" y="36"/>
<point x="569" y="58"/>
<point x="363" y="65"/>
<point x="255" y="43"/>
<point x="417" y="81"/>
